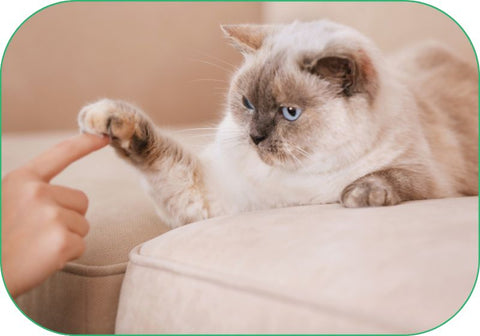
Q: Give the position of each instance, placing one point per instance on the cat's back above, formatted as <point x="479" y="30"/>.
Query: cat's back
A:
<point x="436" y="72"/>
<point x="445" y="89"/>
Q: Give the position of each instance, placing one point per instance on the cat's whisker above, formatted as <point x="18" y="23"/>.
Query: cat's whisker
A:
<point x="232" y="142"/>
<point x="224" y="139"/>
<point x="217" y="59"/>
<point x="345" y="88"/>
<point x="220" y="90"/>
<point x="231" y="139"/>
<point x="212" y="64"/>
<point x="192" y="133"/>
<point x="197" y="129"/>
<point x="294" y="157"/>
<point x="302" y="152"/>
<point x="212" y="135"/>
<point x="202" y="135"/>
<point x="196" y="146"/>
<point x="302" y="163"/>
<point x="208" y="80"/>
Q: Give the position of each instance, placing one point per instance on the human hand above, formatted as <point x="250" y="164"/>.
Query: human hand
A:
<point x="43" y="225"/>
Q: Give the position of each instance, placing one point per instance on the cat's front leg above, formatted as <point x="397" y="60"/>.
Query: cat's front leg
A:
<point x="386" y="187"/>
<point x="174" y="177"/>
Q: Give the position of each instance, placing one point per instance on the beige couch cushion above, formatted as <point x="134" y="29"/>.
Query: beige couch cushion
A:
<point x="83" y="297"/>
<point x="320" y="269"/>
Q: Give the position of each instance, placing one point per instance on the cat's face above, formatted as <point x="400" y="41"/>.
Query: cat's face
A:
<point x="277" y="108"/>
<point x="290" y="102"/>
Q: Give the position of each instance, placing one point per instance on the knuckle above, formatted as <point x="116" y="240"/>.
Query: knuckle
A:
<point x="36" y="191"/>
<point x="54" y="214"/>
<point x="19" y="173"/>
<point x="83" y="198"/>
<point x="86" y="227"/>
<point x="59" y="239"/>
<point x="82" y="227"/>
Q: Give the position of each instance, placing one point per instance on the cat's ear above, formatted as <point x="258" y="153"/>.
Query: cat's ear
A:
<point x="248" y="38"/>
<point x="351" y="73"/>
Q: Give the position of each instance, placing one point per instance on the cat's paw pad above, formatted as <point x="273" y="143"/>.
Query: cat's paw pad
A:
<point x="108" y="117"/>
<point x="369" y="191"/>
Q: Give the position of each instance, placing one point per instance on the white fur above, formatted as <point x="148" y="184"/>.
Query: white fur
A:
<point x="362" y="137"/>
<point x="238" y="180"/>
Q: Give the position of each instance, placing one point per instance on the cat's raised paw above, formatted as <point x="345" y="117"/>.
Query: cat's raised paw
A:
<point x="113" y="118"/>
<point x="369" y="191"/>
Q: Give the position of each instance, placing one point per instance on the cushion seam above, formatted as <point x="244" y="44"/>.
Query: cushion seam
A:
<point x="95" y="271"/>
<point x="194" y="272"/>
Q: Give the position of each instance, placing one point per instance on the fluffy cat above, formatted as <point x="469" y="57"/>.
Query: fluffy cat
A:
<point x="315" y="114"/>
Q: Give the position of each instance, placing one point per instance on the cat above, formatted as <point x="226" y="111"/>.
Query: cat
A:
<point x="315" y="115"/>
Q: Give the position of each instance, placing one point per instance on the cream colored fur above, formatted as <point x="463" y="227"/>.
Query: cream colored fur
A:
<point x="422" y="120"/>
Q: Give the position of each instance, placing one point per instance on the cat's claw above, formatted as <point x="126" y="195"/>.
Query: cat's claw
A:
<point x="369" y="191"/>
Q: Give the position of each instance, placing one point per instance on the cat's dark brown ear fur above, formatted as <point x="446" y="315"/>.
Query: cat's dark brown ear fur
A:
<point x="350" y="73"/>
<point x="247" y="37"/>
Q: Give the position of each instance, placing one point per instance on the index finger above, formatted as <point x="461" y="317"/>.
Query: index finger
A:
<point x="57" y="158"/>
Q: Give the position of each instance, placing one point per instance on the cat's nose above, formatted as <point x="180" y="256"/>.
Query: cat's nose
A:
<point x="257" y="138"/>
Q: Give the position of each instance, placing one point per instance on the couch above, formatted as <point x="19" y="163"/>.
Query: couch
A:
<point x="317" y="268"/>
<point x="309" y="269"/>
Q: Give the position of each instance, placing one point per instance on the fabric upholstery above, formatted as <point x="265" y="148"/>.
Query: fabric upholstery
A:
<point x="311" y="269"/>
<point x="306" y="269"/>
<point x="73" y="303"/>
<point x="83" y="297"/>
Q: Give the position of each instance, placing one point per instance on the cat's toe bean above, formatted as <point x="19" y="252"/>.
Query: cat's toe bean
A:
<point x="355" y="195"/>
<point x="107" y="117"/>
<point x="93" y="118"/>
<point x="369" y="192"/>
<point x="377" y="196"/>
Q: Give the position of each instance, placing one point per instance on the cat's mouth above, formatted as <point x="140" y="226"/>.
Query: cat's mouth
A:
<point x="267" y="154"/>
<point x="277" y="155"/>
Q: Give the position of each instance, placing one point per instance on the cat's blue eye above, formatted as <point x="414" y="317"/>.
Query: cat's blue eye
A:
<point x="247" y="103"/>
<point x="291" y="113"/>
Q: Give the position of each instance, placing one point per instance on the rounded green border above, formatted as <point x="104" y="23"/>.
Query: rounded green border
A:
<point x="372" y="1"/>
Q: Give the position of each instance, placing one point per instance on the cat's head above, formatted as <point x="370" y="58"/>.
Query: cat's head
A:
<point x="304" y="89"/>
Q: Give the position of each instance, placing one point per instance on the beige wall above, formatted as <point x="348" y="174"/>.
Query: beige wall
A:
<point x="147" y="53"/>
<point x="152" y="54"/>
<point x="391" y="25"/>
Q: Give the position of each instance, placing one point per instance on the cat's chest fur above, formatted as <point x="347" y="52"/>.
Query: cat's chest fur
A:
<point x="237" y="180"/>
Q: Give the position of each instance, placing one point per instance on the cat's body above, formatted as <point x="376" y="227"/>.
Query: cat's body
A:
<point x="315" y="115"/>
